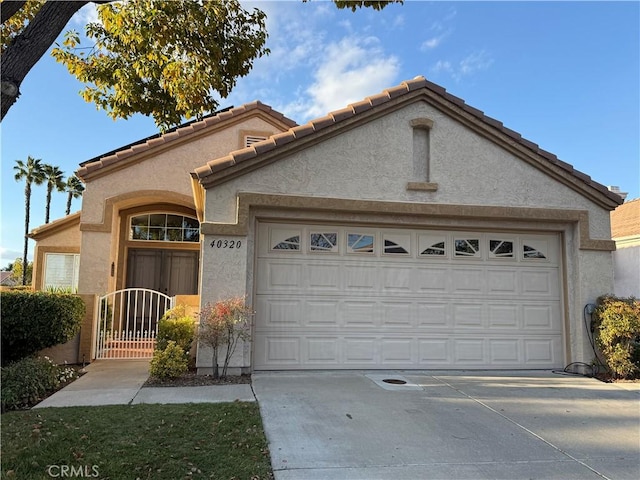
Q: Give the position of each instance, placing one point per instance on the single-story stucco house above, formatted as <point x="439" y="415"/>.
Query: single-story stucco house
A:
<point x="405" y="231"/>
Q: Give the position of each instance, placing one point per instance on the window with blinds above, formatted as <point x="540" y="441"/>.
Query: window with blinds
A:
<point x="61" y="271"/>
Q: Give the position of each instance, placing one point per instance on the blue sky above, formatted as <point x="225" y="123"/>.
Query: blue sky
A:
<point x="565" y="75"/>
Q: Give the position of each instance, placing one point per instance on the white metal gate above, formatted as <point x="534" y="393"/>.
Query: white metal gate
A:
<point x="127" y="322"/>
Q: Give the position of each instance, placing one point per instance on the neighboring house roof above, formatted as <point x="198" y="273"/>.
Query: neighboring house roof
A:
<point x="151" y="137"/>
<point x="128" y="153"/>
<point x="48" y="229"/>
<point x="6" y="280"/>
<point x="262" y="153"/>
<point x="625" y="220"/>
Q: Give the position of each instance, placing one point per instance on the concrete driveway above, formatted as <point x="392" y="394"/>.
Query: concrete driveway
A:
<point x="453" y="425"/>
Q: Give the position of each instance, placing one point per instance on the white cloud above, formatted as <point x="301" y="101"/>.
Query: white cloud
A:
<point x="475" y="62"/>
<point x="8" y="256"/>
<point x="440" y="30"/>
<point x="349" y="70"/>
<point x="398" y="21"/>
<point x="315" y="67"/>
<point x="442" y="66"/>
<point x="87" y="14"/>
<point x="431" y="43"/>
<point x="469" y="65"/>
<point x="346" y="24"/>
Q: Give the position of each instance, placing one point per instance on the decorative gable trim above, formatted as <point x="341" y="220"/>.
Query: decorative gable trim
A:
<point x="242" y="161"/>
<point x="192" y="131"/>
<point x="57" y="226"/>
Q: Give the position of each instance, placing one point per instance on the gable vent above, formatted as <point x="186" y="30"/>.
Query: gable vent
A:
<point x="251" y="139"/>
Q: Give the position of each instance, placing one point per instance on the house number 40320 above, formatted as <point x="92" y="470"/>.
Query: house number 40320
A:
<point x="220" y="243"/>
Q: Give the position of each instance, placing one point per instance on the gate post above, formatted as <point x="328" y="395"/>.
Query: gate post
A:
<point x="86" y="349"/>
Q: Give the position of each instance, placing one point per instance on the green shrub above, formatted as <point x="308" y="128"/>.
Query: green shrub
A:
<point x="32" y="321"/>
<point x="175" y="325"/>
<point x="617" y="334"/>
<point x="169" y="363"/>
<point x="27" y="381"/>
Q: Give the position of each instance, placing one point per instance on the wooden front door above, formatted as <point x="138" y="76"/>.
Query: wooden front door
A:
<point x="172" y="272"/>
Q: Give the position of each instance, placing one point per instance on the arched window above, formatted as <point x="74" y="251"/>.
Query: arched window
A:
<point x="164" y="227"/>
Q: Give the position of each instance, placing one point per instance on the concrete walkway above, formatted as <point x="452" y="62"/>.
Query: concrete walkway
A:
<point x="119" y="382"/>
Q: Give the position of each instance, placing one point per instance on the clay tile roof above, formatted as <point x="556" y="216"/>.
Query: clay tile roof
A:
<point x="409" y="86"/>
<point x="415" y="83"/>
<point x="625" y="220"/>
<point x="244" y="154"/>
<point x="361" y="106"/>
<point x="378" y="99"/>
<point x="303" y="130"/>
<point x="434" y="87"/>
<point x="181" y="131"/>
<point x="342" y="114"/>
<point x="320" y="123"/>
<point x="282" y="138"/>
<point x="397" y="91"/>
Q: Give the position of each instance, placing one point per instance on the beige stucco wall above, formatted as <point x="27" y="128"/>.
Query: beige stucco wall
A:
<point x="375" y="161"/>
<point x="159" y="176"/>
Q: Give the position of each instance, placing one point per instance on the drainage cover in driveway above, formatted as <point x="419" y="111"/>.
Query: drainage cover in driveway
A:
<point x="392" y="381"/>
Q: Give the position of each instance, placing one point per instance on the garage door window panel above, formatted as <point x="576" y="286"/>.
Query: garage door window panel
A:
<point x="432" y="246"/>
<point x="360" y="243"/>
<point x="529" y="252"/>
<point x="285" y="239"/>
<point x="467" y="247"/>
<point x="326" y="242"/>
<point x="500" y="248"/>
<point x="396" y="244"/>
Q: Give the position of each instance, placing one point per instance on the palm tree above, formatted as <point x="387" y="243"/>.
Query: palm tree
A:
<point x="54" y="178"/>
<point x="74" y="189"/>
<point x="31" y="172"/>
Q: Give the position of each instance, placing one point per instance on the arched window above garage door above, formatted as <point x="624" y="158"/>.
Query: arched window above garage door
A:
<point x="164" y="227"/>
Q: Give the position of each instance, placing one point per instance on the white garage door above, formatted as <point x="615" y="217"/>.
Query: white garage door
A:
<point x="339" y="297"/>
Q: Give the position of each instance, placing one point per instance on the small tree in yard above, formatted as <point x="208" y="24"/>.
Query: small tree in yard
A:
<point x="223" y="325"/>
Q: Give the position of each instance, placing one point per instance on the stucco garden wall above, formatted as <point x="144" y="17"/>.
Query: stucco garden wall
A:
<point x="627" y="271"/>
<point x="375" y="162"/>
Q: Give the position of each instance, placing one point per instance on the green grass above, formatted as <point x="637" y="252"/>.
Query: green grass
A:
<point x="191" y="441"/>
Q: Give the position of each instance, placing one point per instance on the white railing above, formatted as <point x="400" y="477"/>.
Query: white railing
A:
<point x="127" y="322"/>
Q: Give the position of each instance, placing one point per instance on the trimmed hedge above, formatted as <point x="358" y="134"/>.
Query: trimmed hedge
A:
<point x="32" y="321"/>
<point x="617" y="334"/>
<point x="170" y="362"/>
<point x="177" y="326"/>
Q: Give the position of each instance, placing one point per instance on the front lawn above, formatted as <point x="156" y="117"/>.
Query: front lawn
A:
<point x="190" y="441"/>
